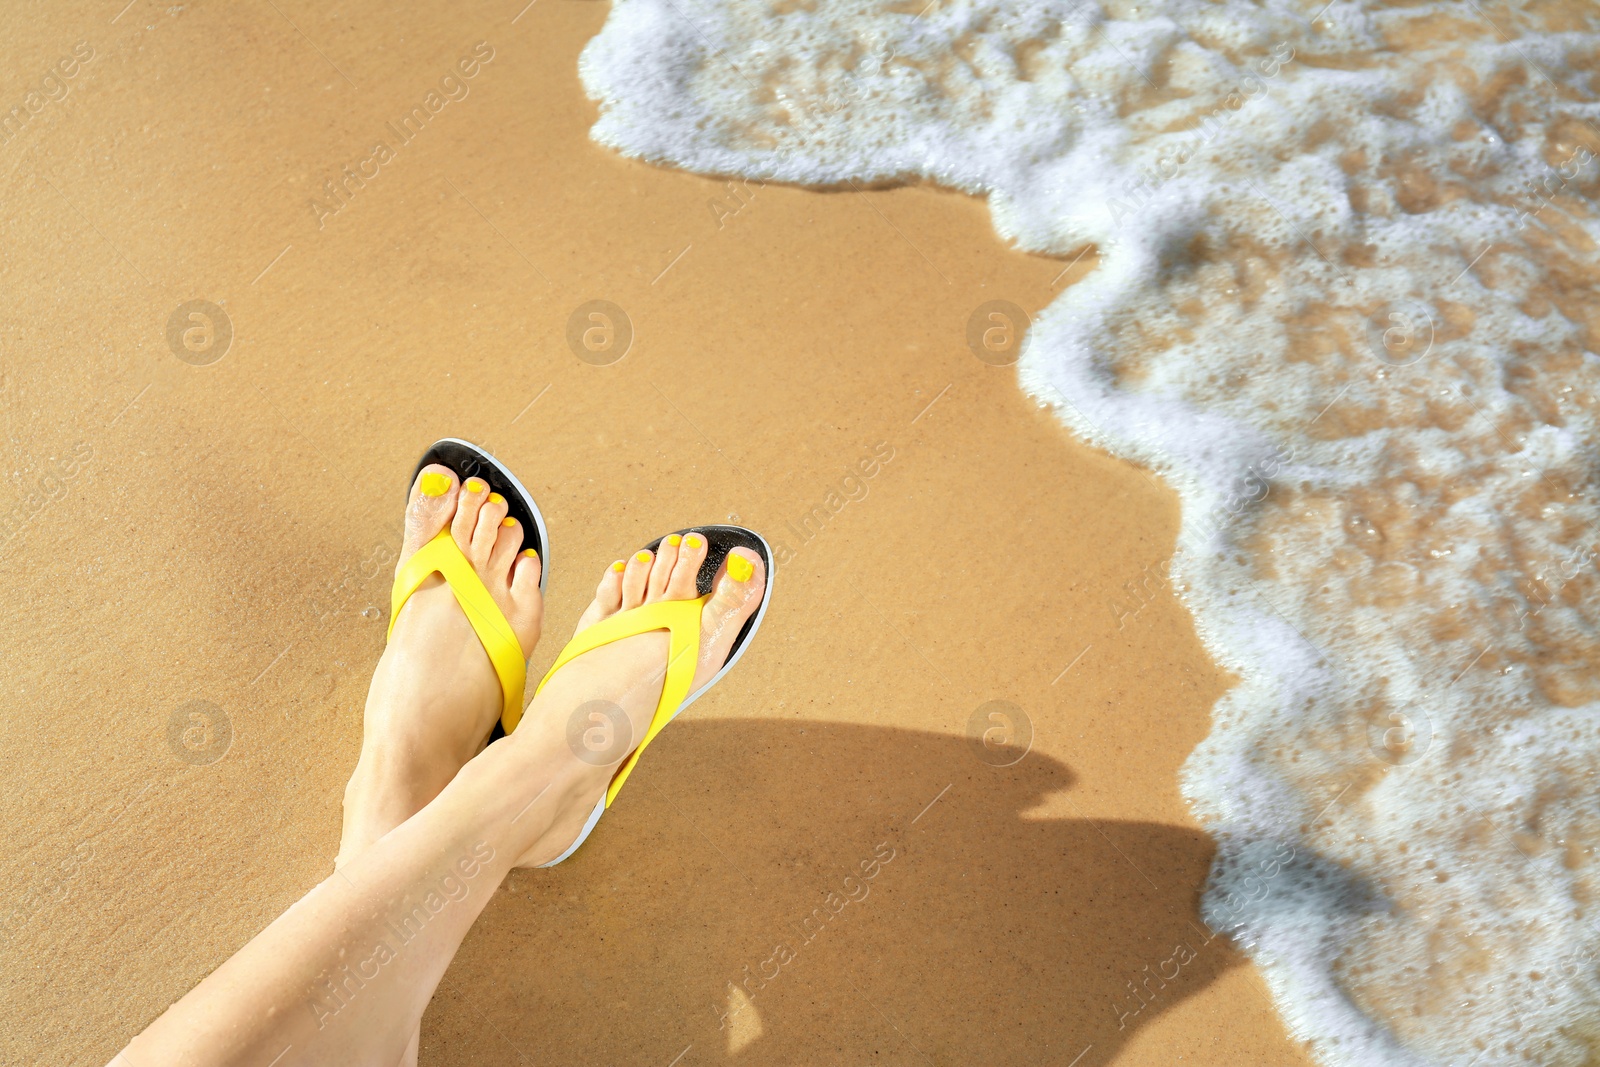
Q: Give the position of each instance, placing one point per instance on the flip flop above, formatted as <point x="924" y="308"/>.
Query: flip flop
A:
<point x="682" y="619"/>
<point x="443" y="557"/>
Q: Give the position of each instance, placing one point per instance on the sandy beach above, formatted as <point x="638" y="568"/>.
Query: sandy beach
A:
<point x="200" y="530"/>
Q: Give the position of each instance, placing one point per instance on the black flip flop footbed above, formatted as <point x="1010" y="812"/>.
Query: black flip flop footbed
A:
<point x="720" y="541"/>
<point x="470" y="461"/>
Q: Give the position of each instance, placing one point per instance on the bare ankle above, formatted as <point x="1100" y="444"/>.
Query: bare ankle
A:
<point x="544" y="792"/>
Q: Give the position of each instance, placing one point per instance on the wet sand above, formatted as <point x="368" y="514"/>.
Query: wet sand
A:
<point x="195" y="557"/>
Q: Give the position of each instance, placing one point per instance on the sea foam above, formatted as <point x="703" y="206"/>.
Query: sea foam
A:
<point x="1344" y="304"/>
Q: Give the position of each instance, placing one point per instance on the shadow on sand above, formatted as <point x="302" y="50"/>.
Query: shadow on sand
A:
<point x="805" y="892"/>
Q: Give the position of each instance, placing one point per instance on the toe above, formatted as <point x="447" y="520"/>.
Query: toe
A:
<point x="739" y="581"/>
<point x="735" y="596"/>
<point x="661" y="572"/>
<point x="527" y="603"/>
<point x="525" y="573"/>
<point x="433" y="501"/>
<point x="487" y="530"/>
<point x="470" y="501"/>
<point x="636" y="578"/>
<point x="608" y="597"/>
<point x="692" y="553"/>
<point x="507" y="541"/>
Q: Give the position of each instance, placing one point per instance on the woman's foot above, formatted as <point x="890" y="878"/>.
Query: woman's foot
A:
<point x="435" y="696"/>
<point x="627" y="674"/>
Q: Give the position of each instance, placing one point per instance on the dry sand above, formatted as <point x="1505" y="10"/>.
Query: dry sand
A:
<point x="222" y="534"/>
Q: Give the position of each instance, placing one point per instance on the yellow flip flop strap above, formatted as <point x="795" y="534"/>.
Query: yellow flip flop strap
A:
<point x="441" y="556"/>
<point x="682" y="619"/>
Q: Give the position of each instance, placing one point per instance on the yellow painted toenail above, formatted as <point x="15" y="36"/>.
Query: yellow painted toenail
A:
<point x="642" y="556"/>
<point x="476" y="485"/>
<point x="692" y="541"/>
<point x="618" y="565"/>
<point x="674" y="540"/>
<point x="496" y="498"/>
<point x="739" y="568"/>
<point x="508" y="521"/>
<point x="531" y="553"/>
<point x="435" y="484"/>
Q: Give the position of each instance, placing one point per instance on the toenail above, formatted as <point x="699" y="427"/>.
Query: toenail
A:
<point x="531" y="553"/>
<point x="739" y="568"/>
<point x="674" y="540"/>
<point x="692" y="541"/>
<point x="435" y="484"/>
<point x="618" y="565"/>
<point x="642" y="556"/>
<point x="476" y="485"/>
<point x="496" y="498"/>
<point x="508" y="521"/>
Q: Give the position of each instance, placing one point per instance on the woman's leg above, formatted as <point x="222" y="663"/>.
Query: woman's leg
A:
<point x="434" y="695"/>
<point x="344" y="975"/>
